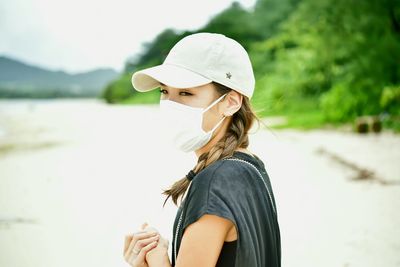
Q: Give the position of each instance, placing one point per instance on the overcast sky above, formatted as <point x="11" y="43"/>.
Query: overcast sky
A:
<point x="80" y="35"/>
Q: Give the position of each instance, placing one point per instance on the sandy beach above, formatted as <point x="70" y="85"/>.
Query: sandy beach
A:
<point x="77" y="175"/>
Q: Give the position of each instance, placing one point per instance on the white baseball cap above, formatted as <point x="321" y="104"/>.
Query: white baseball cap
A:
<point x="198" y="59"/>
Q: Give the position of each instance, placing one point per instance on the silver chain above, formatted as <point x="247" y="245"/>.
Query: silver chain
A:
<point x="261" y="177"/>
<point x="176" y="234"/>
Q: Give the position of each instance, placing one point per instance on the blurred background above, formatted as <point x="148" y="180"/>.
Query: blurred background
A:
<point x="82" y="160"/>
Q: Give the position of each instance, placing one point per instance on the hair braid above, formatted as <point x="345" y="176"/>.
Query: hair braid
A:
<point x="236" y="137"/>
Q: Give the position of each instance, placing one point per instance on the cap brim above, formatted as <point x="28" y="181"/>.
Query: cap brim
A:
<point x="171" y="75"/>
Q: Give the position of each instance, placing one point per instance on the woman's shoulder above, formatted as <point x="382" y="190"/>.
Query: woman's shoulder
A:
<point x="223" y="171"/>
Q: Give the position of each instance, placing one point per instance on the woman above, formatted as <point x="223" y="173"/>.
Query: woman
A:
<point x="227" y="213"/>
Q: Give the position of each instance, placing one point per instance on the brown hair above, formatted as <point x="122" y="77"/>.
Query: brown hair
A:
<point x="236" y="137"/>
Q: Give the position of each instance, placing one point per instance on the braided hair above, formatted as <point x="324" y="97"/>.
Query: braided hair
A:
<point x="235" y="137"/>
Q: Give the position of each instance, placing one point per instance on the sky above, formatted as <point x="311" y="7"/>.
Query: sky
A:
<point x="81" y="35"/>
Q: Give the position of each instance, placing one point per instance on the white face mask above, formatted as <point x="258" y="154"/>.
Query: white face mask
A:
<point x="183" y="124"/>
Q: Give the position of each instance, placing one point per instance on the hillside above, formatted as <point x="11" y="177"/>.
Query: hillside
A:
<point x="18" y="79"/>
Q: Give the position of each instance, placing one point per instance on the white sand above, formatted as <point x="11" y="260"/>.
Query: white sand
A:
<point x="77" y="175"/>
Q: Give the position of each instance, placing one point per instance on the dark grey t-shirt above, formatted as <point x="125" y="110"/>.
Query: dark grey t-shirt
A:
<point x="233" y="189"/>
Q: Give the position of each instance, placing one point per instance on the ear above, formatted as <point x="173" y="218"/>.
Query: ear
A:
<point x="233" y="102"/>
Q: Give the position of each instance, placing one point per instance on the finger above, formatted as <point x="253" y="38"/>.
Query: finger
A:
<point x="139" y="232"/>
<point x="150" y="228"/>
<point x="144" y="235"/>
<point x="144" y="242"/>
<point x="144" y="225"/>
<point x="138" y="237"/>
<point x="144" y="250"/>
<point x="128" y="239"/>
<point x="139" y="246"/>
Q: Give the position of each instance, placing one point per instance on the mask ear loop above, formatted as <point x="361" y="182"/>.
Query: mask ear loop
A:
<point x="216" y="126"/>
<point x="213" y="103"/>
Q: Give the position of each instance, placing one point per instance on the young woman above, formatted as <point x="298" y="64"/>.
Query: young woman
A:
<point x="227" y="214"/>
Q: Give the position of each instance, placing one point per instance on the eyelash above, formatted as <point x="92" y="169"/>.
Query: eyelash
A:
<point x="186" y="93"/>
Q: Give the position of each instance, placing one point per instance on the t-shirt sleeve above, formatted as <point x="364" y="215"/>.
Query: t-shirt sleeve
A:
<point x="217" y="191"/>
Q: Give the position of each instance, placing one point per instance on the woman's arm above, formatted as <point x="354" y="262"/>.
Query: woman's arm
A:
<point x="202" y="241"/>
<point x="201" y="244"/>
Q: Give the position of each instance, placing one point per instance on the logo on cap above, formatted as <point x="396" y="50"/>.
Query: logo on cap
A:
<point x="228" y="75"/>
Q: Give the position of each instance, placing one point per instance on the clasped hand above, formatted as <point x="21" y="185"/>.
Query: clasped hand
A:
<point x="146" y="248"/>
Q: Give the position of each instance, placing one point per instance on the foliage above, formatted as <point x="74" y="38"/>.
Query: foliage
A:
<point x="390" y="99"/>
<point x="345" y="53"/>
<point x="333" y="60"/>
<point x="119" y="89"/>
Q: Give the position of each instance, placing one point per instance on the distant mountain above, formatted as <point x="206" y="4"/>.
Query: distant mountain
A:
<point x="18" y="79"/>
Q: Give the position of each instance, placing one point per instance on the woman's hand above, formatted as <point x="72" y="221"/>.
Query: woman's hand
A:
<point x="158" y="256"/>
<point x="138" y="245"/>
